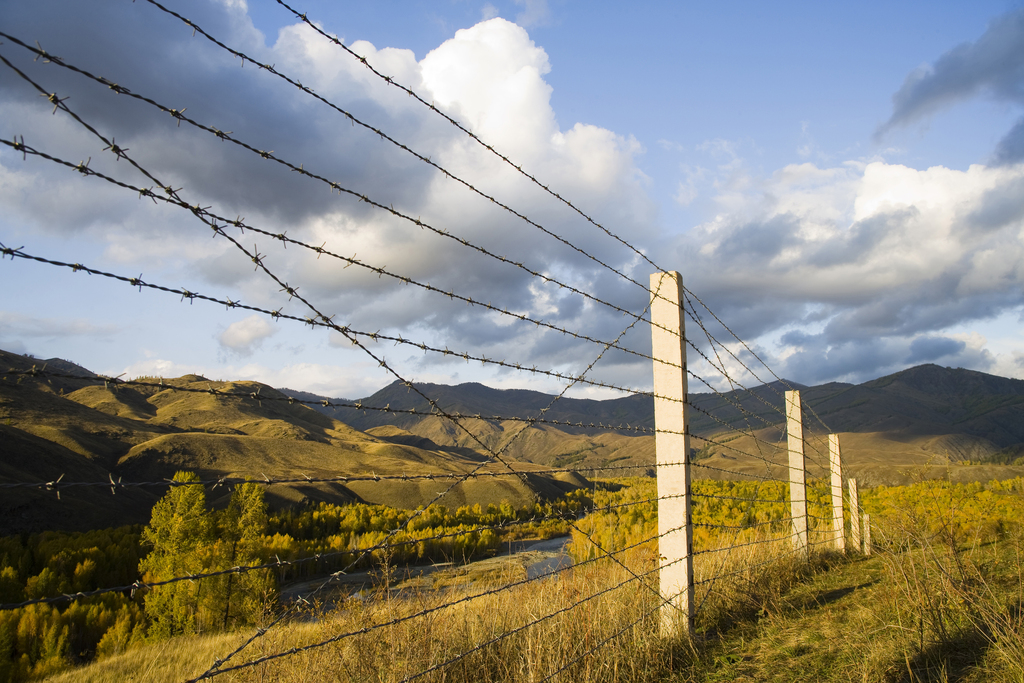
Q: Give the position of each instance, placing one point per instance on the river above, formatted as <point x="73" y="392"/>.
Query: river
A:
<point x="537" y="558"/>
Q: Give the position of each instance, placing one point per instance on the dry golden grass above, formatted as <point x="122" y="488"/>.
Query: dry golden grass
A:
<point x="594" y="623"/>
<point x="168" y="661"/>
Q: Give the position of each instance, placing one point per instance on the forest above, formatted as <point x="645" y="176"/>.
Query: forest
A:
<point x="186" y="537"/>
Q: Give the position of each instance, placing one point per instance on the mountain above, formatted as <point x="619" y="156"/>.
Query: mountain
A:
<point x="923" y="421"/>
<point x="86" y="431"/>
<point x="926" y="421"/>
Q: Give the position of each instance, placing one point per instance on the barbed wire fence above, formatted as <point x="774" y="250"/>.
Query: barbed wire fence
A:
<point x="732" y="533"/>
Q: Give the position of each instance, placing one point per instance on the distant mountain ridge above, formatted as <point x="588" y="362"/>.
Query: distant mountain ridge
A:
<point x="927" y="399"/>
<point x="925" y="421"/>
<point x="923" y="417"/>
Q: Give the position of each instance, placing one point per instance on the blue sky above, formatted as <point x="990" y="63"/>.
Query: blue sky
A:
<point x="841" y="183"/>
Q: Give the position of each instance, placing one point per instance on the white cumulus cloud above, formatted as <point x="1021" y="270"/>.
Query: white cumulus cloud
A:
<point x="245" y="336"/>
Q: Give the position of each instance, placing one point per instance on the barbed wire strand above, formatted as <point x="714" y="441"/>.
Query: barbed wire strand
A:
<point x="117" y="151"/>
<point x="303" y="17"/>
<point x="494" y="455"/>
<point x="384" y="136"/>
<point x="294" y="294"/>
<point x="278" y="563"/>
<point x="179" y="116"/>
<point x="376" y="336"/>
<point x="472" y="135"/>
<point x="690" y="293"/>
<point x="202" y="213"/>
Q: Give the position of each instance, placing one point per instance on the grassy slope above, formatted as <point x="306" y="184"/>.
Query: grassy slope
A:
<point x="838" y="624"/>
<point x="843" y="625"/>
<point x="95" y="432"/>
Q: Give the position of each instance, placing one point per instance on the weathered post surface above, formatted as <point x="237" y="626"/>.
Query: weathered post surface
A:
<point x="797" y="473"/>
<point x="867" y="534"/>
<point x="854" y="516"/>
<point x="836" y="463"/>
<point x="672" y="444"/>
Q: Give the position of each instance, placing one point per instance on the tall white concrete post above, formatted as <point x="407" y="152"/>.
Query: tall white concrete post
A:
<point x="835" y="460"/>
<point x="797" y="472"/>
<point x="854" y="515"/>
<point x="672" y="444"/>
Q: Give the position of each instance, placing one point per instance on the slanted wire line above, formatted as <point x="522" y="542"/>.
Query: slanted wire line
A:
<point x="384" y="136"/>
<point x="732" y="384"/>
<point x="736" y="472"/>
<point x="721" y="365"/>
<point x="472" y="135"/>
<point x="112" y="146"/>
<point x="738" y="402"/>
<point x="695" y="317"/>
<point x="319" y="557"/>
<point x="692" y="313"/>
<point x="610" y="638"/>
<point x="42" y="372"/>
<point x="327" y="403"/>
<point x="398" y="620"/>
<point x="744" y="413"/>
<point x="432" y="107"/>
<point x="725" y="445"/>
<point x="319" y="315"/>
<point x="750" y="435"/>
<point x="312" y="322"/>
<point x="176" y="201"/>
<point x="690" y="293"/>
<point x="180" y="117"/>
<point x="303" y="17"/>
<point x="333" y="185"/>
<point x="299" y="85"/>
<point x="508" y="634"/>
<point x="173" y="199"/>
<point x="724" y="396"/>
<point x="495" y="455"/>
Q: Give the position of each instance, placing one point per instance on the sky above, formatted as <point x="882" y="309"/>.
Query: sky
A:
<point x="841" y="184"/>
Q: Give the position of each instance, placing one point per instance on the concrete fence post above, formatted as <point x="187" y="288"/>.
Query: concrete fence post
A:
<point x="797" y="472"/>
<point x="672" y="445"/>
<point x="867" y="534"/>
<point x="854" y="516"/>
<point x="836" y="462"/>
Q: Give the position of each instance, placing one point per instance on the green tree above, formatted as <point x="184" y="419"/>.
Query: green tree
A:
<point x="180" y="533"/>
<point x="242" y="528"/>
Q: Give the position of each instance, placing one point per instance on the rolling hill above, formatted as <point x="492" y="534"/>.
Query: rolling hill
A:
<point x="87" y="432"/>
<point x="923" y="422"/>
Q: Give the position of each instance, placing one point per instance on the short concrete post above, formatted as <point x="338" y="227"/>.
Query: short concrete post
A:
<point x="867" y="534"/>
<point x="838" y="525"/>
<point x="797" y="473"/>
<point x="672" y="445"/>
<point x="854" y="516"/>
